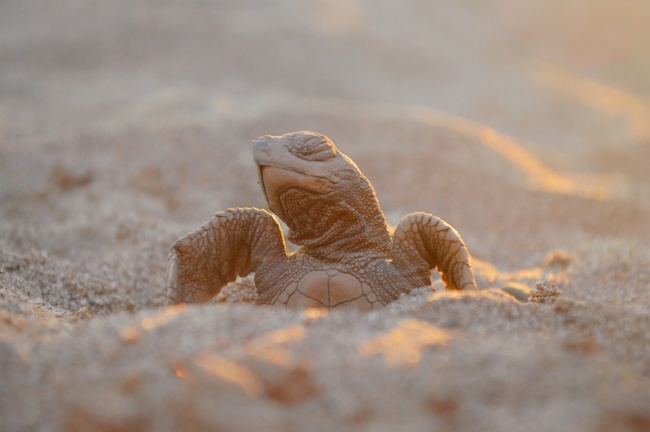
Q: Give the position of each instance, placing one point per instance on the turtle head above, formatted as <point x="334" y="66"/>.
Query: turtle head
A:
<point x="316" y="190"/>
<point x="307" y="161"/>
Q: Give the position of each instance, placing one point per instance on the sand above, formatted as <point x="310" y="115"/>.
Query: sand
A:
<point x="526" y="125"/>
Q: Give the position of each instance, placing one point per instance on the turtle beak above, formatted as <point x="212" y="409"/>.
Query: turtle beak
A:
<point x="260" y="177"/>
<point x="261" y="154"/>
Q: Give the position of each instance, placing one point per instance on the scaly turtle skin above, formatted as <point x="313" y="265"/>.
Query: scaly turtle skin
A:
<point x="347" y="257"/>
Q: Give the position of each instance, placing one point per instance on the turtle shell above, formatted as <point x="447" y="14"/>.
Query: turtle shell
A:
<point x="328" y="289"/>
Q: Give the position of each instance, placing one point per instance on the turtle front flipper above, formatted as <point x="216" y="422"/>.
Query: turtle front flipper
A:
<point x="233" y="242"/>
<point x="422" y="242"/>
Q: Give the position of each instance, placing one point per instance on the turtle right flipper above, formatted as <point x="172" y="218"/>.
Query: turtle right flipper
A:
<point x="232" y="243"/>
<point x="422" y="242"/>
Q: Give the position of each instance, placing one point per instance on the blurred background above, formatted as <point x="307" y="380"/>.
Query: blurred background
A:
<point x="130" y="122"/>
<point x="550" y="71"/>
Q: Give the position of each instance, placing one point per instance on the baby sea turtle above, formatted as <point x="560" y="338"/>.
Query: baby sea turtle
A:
<point x="347" y="257"/>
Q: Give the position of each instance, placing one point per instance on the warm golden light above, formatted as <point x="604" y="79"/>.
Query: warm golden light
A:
<point x="272" y="347"/>
<point x="179" y="370"/>
<point x="312" y="314"/>
<point x="130" y="334"/>
<point x="402" y="346"/>
<point x="162" y="317"/>
<point x="231" y="372"/>
<point x="540" y="176"/>
<point x="599" y="96"/>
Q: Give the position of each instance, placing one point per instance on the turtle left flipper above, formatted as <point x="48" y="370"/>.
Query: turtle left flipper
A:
<point x="232" y="243"/>
<point x="422" y="242"/>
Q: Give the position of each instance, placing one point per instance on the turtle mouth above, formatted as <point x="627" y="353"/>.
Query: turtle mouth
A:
<point x="275" y="180"/>
<point x="260" y="174"/>
<point x="261" y="168"/>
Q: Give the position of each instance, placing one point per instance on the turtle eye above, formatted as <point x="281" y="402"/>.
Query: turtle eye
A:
<point x="314" y="148"/>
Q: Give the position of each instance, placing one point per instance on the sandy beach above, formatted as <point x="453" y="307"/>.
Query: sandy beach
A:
<point x="525" y="124"/>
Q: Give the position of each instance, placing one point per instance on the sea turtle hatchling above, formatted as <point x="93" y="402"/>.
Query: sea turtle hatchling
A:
<point x="346" y="258"/>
